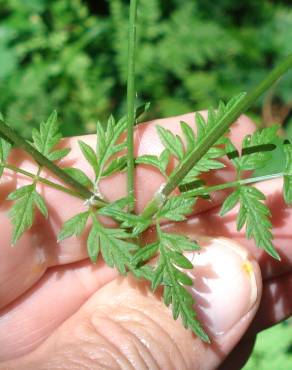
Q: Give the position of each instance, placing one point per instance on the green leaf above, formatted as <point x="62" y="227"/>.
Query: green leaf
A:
<point x="40" y="203"/>
<point x="79" y="176"/>
<point x="20" y="192"/>
<point x="211" y="159"/>
<point x="74" y="226"/>
<point x="93" y="242"/>
<point x="127" y="220"/>
<point x="4" y="153"/>
<point x="116" y="165"/>
<point x="174" y="281"/>
<point x="287" y="189"/>
<point x="89" y="155"/>
<point x="172" y="142"/>
<point x="256" y="149"/>
<point x="5" y="148"/>
<point x="230" y="202"/>
<point x="107" y="146"/>
<point x="164" y="160"/>
<point x="152" y="160"/>
<point x="116" y="252"/>
<point x="48" y="135"/>
<point x="22" y="212"/>
<point x="189" y="136"/>
<point x="140" y="111"/>
<point x="59" y="154"/>
<point x="160" y="162"/>
<point x="157" y="277"/>
<point x="256" y="216"/>
<point x="176" y="208"/>
<point x="180" y="243"/>
<point x="180" y="260"/>
<point x="182" y="278"/>
<point x="145" y="254"/>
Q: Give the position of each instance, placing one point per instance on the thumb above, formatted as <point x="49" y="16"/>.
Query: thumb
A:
<point x="125" y="326"/>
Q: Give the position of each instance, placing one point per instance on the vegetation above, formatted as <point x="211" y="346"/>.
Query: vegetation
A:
<point x="53" y="56"/>
<point x="57" y="59"/>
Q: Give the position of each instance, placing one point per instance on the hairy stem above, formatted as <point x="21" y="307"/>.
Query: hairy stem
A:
<point x="131" y="103"/>
<point x="44" y="181"/>
<point x="210" y="139"/>
<point x="233" y="184"/>
<point x="13" y="137"/>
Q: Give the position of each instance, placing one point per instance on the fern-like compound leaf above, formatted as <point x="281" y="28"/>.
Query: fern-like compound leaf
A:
<point x="254" y="215"/>
<point x="47" y="137"/>
<point x="169" y="273"/>
<point x="22" y="212"/>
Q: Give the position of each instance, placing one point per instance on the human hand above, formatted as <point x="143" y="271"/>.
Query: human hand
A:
<point x="60" y="311"/>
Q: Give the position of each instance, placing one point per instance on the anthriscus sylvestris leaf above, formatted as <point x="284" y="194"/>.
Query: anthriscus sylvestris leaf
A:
<point x="22" y="212"/>
<point x="74" y="226"/>
<point x="4" y="153"/>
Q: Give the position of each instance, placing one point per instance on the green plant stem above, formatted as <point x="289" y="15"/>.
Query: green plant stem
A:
<point x="43" y="181"/>
<point x="13" y="137"/>
<point x="233" y="184"/>
<point x="211" y="138"/>
<point x="131" y="103"/>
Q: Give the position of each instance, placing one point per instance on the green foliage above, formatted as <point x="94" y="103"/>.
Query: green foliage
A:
<point x="53" y="55"/>
<point x="176" y="208"/>
<point x="204" y="127"/>
<point x="26" y="198"/>
<point x="115" y="250"/>
<point x="22" y="212"/>
<point x="117" y="211"/>
<point x="79" y="176"/>
<point x="4" y="153"/>
<point x="160" y="162"/>
<point x="168" y="273"/>
<point x="58" y="52"/>
<point x="257" y="149"/>
<point x="268" y="356"/>
<point x="74" y="226"/>
<point x="254" y="214"/>
<point x="47" y="137"/>
<point x="103" y="160"/>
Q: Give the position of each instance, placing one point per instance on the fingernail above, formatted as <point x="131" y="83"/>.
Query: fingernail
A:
<point x="225" y="287"/>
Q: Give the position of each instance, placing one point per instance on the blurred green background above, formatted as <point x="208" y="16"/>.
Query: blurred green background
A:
<point x="70" y="55"/>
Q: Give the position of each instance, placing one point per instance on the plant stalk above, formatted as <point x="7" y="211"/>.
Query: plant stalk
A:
<point x="13" y="137"/>
<point x="233" y="184"/>
<point x="43" y="181"/>
<point x="131" y="91"/>
<point x="211" y="138"/>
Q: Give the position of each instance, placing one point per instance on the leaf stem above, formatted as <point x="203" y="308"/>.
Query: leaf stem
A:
<point x="131" y="103"/>
<point x="215" y="133"/>
<point x="43" y="181"/>
<point x="13" y="137"/>
<point x="211" y="189"/>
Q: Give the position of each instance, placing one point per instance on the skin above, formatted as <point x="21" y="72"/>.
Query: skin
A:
<point x="58" y="311"/>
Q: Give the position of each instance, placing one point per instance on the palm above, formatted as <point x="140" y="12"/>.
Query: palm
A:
<point x="44" y="283"/>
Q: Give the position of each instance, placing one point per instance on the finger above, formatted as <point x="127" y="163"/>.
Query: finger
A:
<point x="22" y="266"/>
<point x="210" y="223"/>
<point x="275" y="306"/>
<point x="124" y="325"/>
<point x="239" y="356"/>
<point x="31" y="318"/>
